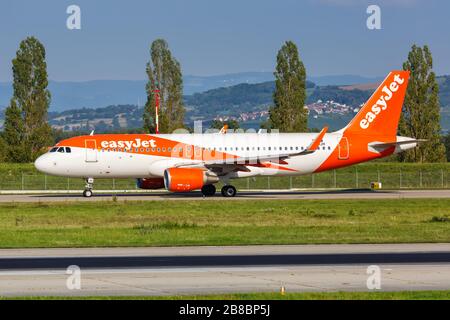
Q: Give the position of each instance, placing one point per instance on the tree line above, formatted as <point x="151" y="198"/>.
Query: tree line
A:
<point x="27" y="133"/>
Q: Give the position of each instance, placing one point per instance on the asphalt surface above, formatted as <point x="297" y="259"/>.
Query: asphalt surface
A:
<point x="207" y="270"/>
<point x="242" y="195"/>
<point x="222" y="261"/>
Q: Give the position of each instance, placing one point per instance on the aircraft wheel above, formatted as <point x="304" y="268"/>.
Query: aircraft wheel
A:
<point x="208" y="190"/>
<point x="87" y="193"/>
<point x="228" y="191"/>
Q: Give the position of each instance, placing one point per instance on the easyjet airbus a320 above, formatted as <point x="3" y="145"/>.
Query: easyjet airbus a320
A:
<point x="186" y="162"/>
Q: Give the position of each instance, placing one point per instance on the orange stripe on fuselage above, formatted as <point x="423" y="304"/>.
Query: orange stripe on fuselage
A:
<point x="134" y="143"/>
<point x="271" y="165"/>
<point x="147" y="145"/>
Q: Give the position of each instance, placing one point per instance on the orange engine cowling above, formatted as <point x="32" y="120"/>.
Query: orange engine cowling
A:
<point x="150" y="183"/>
<point x="185" y="179"/>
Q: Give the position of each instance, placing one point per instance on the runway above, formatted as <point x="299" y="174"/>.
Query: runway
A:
<point x="41" y="196"/>
<point x="207" y="270"/>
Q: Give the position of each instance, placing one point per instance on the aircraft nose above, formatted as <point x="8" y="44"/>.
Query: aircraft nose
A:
<point x="42" y="163"/>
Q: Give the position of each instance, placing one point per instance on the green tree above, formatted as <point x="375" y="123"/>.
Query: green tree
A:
<point x="164" y="74"/>
<point x="13" y="133"/>
<point x="26" y="117"/>
<point x="421" y="109"/>
<point x="447" y="145"/>
<point x="288" y="113"/>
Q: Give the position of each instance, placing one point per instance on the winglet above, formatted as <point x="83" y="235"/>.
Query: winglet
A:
<point x="315" y="144"/>
<point x="224" y="129"/>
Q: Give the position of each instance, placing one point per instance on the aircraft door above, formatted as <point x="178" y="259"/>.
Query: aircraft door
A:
<point x="91" y="150"/>
<point x="343" y="149"/>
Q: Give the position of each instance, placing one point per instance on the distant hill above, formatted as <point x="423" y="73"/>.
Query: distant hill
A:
<point x="249" y="103"/>
<point x="346" y="79"/>
<point x="100" y="93"/>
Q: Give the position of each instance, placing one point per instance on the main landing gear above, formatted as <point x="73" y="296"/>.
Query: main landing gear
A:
<point x="209" y="190"/>
<point x="228" y="191"/>
<point x="88" y="187"/>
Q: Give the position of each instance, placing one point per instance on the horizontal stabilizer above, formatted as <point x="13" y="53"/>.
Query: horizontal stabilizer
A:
<point x="402" y="144"/>
<point x="397" y="143"/>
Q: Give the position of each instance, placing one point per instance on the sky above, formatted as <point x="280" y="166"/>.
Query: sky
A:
<point x="212" y="37"/>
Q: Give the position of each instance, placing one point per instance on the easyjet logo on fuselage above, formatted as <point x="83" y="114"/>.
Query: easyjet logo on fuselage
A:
<point x="382" y="103"/>
<point x="136" y="143"/>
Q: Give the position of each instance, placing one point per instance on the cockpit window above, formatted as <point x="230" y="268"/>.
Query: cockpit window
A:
<point x="53" y="149"/>
<point x="68" y="150"/>
<point x="61" y="149"/>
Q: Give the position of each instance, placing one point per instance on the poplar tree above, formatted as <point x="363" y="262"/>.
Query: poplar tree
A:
<point x="13" y="135"/>
<point x="421" y="110"/>
<point x="289" y="113"/>
<point x="27" y="132"/>
<point x="164" y="74"/>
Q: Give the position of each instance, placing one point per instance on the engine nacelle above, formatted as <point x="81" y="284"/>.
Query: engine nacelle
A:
<point x="185" y="179"/>
<point x="150" y="183"/>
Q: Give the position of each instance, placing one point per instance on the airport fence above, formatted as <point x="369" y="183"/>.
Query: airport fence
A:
<point x="391" y="175"/>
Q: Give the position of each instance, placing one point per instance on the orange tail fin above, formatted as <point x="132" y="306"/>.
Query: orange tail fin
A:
<point x="381" y="113"/>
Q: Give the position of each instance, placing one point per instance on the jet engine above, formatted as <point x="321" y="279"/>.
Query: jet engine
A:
<point x="185" y="179"/>
<point x="150" y="183"/>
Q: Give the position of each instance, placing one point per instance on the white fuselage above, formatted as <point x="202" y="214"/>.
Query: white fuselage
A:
<point x="121" y="163"/>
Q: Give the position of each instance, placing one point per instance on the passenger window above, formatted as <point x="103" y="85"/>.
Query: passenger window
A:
<point x="68" y="150"/>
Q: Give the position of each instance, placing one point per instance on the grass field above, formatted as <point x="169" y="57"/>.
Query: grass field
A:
<point x="178" y="223"/>
<point x="392" y="175"/>
<point x="402" y="295"/>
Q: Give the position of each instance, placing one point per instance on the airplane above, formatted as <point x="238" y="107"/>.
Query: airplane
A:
<point x="187" y="162"/>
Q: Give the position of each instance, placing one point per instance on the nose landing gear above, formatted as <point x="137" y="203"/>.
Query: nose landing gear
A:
<point x="88" y="187"/>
